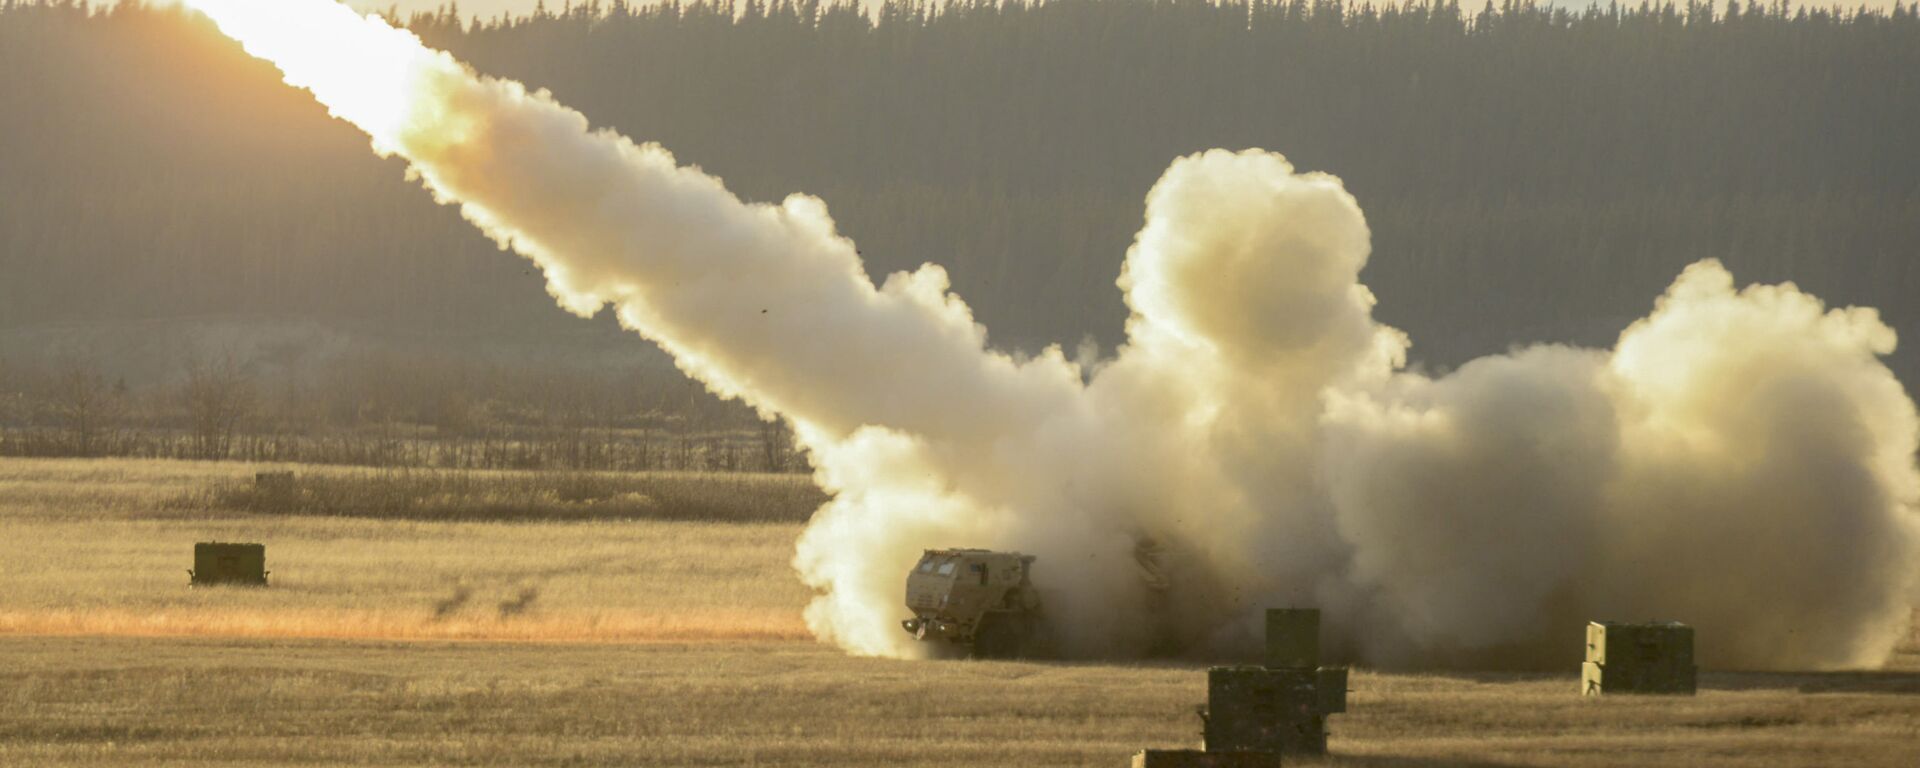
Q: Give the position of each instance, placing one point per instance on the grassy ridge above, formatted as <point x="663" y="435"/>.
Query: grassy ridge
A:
<point x="424" y="494"/>
<point x="77" y="701"/>
<point x="102" y="547"/>
<point x="673" y="642"/>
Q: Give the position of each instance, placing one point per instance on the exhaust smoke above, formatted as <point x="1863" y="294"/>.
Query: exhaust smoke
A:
<point x="1740" y="460"/>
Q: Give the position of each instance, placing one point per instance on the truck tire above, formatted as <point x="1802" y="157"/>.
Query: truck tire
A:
<point x="1001" y="636"/>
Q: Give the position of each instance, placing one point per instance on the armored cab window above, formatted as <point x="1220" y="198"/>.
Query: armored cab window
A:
<point x="946" y="568"/>
<point x="980" y="568"/>
<point x="926" y="565"/>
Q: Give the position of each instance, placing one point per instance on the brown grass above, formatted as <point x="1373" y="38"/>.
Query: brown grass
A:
<point x="128" y="701"/>
<point x="431" y="494"/>
<point x="571" y="627"/>
<point x="667" y="642"/>
<point x="104" y="547"/>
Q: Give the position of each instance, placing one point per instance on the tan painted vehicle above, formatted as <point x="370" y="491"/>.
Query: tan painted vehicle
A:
<point x="975" y="601"/>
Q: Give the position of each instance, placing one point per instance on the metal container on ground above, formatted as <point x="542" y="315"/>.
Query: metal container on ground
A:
<point x="1646" y="657"/>
<point x="1254" y="714"/>
<point x="217" y="563"/>
<point x="1194" y="758"/>
<point x="1257" y="709"/>
<point x="1330" y="685"/>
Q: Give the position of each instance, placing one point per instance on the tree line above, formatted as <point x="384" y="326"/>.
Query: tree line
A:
<point x="1530" y="173"/>
<point x="389" y="410"/>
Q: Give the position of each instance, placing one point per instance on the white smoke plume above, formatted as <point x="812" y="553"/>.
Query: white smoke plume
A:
<point x="1741" y="460"/>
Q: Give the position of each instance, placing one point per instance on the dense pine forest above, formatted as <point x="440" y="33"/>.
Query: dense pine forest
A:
<point x="1530" y="173"/>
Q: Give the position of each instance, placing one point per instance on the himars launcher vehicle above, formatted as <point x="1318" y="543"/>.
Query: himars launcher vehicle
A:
<point x="975" y="601"/>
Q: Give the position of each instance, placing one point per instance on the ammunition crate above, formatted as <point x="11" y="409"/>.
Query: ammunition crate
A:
<point x="1612" y="643"/>
<point x="1653" y="657"/>
<point x="1597" y="679"/>
<point x="1256" y="709"/>
<point x="1193" y="758"/>
<point x="1330" y="687"/>
<point x="220" y="563"/>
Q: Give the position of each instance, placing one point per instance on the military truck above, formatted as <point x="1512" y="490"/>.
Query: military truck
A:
<point x="975" y="601"/>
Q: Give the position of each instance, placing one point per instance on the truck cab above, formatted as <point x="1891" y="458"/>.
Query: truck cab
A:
<point x="973" y="599"/>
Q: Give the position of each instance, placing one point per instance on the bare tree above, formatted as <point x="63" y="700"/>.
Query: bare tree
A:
<point x="776" y="444"/>
<point x="13" y="398"/>
<point x="218" y="394"/>
<point x="88" y="409"/>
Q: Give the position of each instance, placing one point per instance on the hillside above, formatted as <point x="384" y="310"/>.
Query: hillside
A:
<point x="1013" y="144"/>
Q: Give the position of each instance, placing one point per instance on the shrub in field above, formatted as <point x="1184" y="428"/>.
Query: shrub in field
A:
<point x="519" y="496"/>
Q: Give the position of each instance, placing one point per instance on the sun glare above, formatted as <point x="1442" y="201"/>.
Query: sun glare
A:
<point x="364" y="71"/>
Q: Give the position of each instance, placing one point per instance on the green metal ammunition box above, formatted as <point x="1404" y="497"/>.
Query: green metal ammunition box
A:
<point x="1256" y="709"/>
<point x="1652" y="657"/>
<point x="220" y="563"/>
<point x="1193" y="758"/>
<point x="1330" y="687"/>
<point x="1613" y="642"/>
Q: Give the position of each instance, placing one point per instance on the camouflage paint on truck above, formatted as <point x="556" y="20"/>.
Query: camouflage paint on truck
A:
<point x="975" y="600"/>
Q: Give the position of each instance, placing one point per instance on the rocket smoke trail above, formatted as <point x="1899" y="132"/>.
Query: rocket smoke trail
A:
<point x="1741" y="459"/>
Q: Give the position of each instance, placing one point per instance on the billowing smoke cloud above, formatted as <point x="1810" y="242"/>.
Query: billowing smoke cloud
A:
<point x="1741" y="460"/>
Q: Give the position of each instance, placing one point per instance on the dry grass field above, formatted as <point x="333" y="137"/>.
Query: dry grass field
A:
<point x="394" y="636"/>
<point x="104" y="547"/>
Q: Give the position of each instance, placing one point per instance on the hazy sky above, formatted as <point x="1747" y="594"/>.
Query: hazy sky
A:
<point x="494" y="7"/>
<point x="467" y="7"/>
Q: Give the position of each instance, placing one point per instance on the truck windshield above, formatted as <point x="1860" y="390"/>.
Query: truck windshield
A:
<point x="946" y="568"/>
<point x="925" y="566"/>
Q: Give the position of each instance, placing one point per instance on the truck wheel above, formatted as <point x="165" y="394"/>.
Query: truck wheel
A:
<point x="1000" y="636"/>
